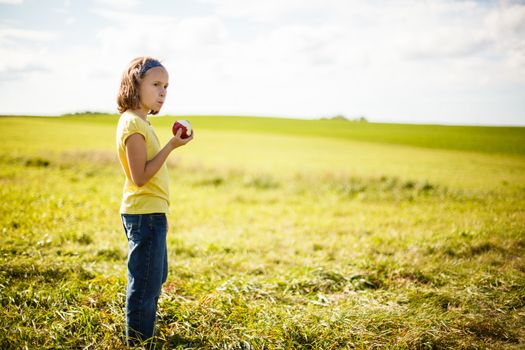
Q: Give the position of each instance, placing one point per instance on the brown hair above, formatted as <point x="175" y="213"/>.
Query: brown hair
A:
<point x="128" y="95"/>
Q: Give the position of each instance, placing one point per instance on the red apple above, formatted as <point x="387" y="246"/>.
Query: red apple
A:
<point x="185" y="126"/>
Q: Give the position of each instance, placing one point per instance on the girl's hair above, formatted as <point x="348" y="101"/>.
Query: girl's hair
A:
<point x="128" y="94"/>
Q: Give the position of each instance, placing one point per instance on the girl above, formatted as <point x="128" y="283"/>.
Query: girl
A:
<point x="145" y="200"/>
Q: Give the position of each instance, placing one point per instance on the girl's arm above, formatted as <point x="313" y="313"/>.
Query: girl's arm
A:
<point x="141" y="169"/>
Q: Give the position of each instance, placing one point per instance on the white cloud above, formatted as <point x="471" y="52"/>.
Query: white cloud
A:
<point x="119" y="4"/>
<point x="15" y="34"/>
<point x="12" y="2"/>
<point x="298" y="58"/>
<point x="509" y="25"/>
<point x="206" y="30"/>
<point x="264" y="11"/>
<point x="21" y="51"/>
<point x="365" y="56"/>
<point x="168" y="37"/>
<point x="72" y="73"/>
<point x="85" y="71"/>
<point x="275" y="11"/>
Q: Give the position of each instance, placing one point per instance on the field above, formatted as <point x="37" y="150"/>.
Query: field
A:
<point x="284" y="234"/>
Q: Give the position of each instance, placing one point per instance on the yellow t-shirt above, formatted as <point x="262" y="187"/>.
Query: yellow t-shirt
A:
<point x="153" y="197"/>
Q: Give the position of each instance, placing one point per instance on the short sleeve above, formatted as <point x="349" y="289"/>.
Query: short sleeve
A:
<point x="129" y="127"/>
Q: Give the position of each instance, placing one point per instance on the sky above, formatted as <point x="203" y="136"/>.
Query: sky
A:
<point x="404" y="61"/>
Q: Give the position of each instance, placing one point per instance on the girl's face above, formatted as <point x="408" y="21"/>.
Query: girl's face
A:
<point x="153" y="89"/>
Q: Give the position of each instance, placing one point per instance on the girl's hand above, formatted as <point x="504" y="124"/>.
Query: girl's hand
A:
<point x="177" y="141"/>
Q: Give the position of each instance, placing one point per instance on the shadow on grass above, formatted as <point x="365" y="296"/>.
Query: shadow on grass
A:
<point x="177" y="341"/>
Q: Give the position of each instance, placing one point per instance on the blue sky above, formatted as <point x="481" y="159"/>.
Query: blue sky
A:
<point x="421" y="61"/>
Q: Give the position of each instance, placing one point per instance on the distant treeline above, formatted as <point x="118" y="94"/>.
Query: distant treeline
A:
<point x="360" y="119"/>
<point x="85" y="113"/>
<point x="341" y="117"/>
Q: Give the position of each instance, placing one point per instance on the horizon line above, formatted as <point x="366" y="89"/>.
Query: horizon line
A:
<point x="327" y="118"/>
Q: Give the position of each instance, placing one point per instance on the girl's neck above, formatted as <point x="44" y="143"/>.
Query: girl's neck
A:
<point x="140" y="113"/>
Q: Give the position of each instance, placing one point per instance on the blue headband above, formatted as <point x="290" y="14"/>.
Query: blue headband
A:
<point x="148" y="65"/>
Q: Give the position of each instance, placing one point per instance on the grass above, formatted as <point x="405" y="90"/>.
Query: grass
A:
<point x="281" y="237"/>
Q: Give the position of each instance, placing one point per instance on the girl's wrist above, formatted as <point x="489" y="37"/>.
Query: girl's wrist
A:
<point x="172" y="145"/>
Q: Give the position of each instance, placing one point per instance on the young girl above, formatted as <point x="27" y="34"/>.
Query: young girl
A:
<point x="145" y="200"/>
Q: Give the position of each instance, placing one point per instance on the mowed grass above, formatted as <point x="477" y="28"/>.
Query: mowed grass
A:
<point x="283" y="234"/>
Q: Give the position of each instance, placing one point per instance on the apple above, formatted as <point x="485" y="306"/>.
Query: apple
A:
<point x="185" y="126"/>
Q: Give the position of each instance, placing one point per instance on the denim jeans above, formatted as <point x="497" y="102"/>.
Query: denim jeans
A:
<point x="147" y="271"/>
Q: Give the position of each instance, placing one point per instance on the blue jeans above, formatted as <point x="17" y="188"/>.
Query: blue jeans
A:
<point x="147" y="271"/>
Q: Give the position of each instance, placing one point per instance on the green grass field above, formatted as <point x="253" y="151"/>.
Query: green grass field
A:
<point x="284" y="234"/>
